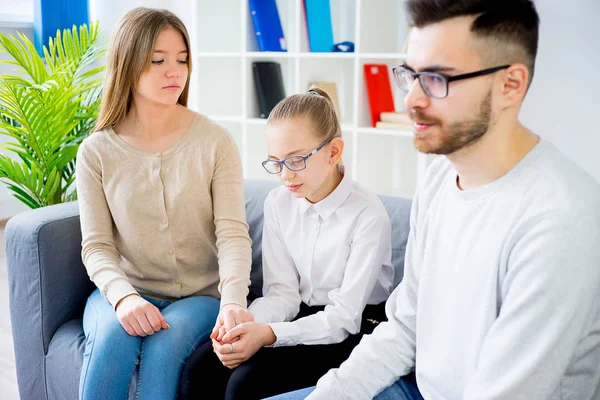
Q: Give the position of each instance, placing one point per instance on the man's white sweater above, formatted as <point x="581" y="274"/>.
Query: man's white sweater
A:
<point x="500" y="297"/>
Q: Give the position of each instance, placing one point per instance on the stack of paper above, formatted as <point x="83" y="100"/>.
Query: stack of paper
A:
<point x="395" y="120"/>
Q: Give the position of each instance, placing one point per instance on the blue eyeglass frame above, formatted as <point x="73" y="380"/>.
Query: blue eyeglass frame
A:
<point x="304" y="158"/>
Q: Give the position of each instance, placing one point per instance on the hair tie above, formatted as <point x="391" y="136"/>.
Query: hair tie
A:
<point x="313" y="91"/>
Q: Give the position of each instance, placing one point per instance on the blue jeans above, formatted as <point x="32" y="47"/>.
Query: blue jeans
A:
<point x="111" y="355"/>
<point x="404" y="388"/>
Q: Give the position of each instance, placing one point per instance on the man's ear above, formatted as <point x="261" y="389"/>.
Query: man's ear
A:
<point x="514" y="84"/>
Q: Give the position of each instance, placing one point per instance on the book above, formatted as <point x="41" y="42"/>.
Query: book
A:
<point x="318" y="25"/>
<point x="397" y="117"/>
<point x="268" y="82"/>
<point x="267" y="25"/>
<point x="331" y="89"/>
<point x="393" y="125"/>
<point x="379" y="90"/>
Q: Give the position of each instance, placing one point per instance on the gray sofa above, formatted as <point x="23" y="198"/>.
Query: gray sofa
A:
<point x="48" y="287"/>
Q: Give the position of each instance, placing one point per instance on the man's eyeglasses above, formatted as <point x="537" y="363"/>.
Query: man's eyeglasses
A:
<point x="293" y="163"/>
<point x="434" y="84"/>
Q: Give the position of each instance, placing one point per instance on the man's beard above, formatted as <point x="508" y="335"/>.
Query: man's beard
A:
<point x="458" y="135"/>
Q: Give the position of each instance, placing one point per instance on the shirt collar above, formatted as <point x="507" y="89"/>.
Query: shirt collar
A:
<point x="329" y="204"/>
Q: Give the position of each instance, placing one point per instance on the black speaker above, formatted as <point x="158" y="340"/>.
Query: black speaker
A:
<point x="269" y="85"/>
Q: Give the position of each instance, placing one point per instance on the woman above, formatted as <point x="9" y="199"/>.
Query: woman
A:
<point x="162" y="215"/>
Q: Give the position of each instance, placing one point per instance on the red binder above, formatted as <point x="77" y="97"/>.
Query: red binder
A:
<point x="379" y="90"/>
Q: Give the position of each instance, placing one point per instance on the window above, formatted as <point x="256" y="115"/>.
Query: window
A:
<point x="15" y="11"/>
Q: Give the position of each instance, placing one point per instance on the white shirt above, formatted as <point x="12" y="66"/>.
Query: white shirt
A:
<point x="501" y="292"/>
<point x="335" y="253"/>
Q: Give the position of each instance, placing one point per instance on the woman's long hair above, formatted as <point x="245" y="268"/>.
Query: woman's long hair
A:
<point x="129" y="55"/>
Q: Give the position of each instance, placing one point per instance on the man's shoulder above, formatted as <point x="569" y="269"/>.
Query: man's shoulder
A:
<point x="558" y="184"/>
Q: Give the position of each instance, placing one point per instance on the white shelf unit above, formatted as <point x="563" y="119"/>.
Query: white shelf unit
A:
<point x="224" y="47"/>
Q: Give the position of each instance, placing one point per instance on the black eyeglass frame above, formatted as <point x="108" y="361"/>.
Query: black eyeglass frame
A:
<point x="447" y="79"/>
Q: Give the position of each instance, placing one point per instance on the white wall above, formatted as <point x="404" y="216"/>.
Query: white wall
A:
<point x="563" y="104"/>
<point x="10" y="206"/>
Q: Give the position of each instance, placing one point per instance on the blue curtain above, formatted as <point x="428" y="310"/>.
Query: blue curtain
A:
<point x="51" y="15"/>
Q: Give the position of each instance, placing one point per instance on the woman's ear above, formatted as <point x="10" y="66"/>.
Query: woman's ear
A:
<point x="337" y="148"/>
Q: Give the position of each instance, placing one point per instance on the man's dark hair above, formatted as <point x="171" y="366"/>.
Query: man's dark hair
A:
<point x="512" y="25"/>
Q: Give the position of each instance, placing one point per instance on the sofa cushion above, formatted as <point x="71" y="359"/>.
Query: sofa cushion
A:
<point x="255" y="193"/>
<point x="398" y="210"/>
<point x="63" y="360"/>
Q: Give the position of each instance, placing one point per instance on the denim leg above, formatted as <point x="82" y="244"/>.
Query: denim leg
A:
<point x="295" y="395"/>
<point x="164" y="354"/>
<point x="404" y="388"/>
<point x="110" y="355"/>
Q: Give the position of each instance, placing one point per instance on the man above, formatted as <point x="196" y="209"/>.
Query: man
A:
<point x="500" y="297"/>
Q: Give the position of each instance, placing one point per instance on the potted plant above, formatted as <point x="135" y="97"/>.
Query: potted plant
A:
<point x="47" y="108"/>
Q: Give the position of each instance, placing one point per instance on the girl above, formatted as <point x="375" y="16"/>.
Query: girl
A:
<point x="326" y="265"/>
<point x="162" y="216"/>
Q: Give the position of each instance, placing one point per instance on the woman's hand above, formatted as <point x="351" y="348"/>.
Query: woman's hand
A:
<point x="242" y="342"/>
<point x="139" y="317"/>
<point x="229" y="316"/>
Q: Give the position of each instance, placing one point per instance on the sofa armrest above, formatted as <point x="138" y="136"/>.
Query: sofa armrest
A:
<point x="48" y="285"/>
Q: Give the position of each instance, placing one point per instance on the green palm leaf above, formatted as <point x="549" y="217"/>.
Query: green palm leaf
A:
<point x="47" y="111"/>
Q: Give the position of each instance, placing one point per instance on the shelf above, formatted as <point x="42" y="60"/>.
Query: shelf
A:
<point x="218" y="54"/>
<point x="382" y="56"/>
<point x="269" y="54"/>
<point x="256" y="121"/>
<point x="387" y="132"/>
<point x="282" y="54"/>
<point x="327" y="55"/>
<point x="224" y="47"/>
<point x="263" y="121"/>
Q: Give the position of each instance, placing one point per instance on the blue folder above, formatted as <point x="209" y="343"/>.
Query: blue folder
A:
<point x="318" y="24"/>
<point x="267" y="25"/>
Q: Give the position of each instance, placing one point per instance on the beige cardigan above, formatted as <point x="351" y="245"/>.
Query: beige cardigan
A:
<point x="166" y="225"/>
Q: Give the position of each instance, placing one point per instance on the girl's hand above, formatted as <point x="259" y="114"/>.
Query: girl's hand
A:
<point x="230" y="316"/>
<point x="252" y="336"/>
<point x="139" y="317"/>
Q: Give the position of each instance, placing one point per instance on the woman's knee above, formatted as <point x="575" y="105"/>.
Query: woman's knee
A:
<point x="111" y="340"/>
<point x="199" y="311"/>
<point x="104" y="331"/>
<point x="191" y="321"/>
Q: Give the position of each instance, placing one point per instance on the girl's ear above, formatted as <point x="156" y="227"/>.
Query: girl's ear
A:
<point x="337" y="148"/>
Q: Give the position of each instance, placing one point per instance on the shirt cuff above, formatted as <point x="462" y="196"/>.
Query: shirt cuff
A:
<point x="260" y="311"/>
<point x="287" y="334"/>
<point x="118" y="289"/>
<point x="235" y="294"/>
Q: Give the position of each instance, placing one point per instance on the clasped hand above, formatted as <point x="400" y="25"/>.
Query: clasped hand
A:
<point x="236" y="337"/>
